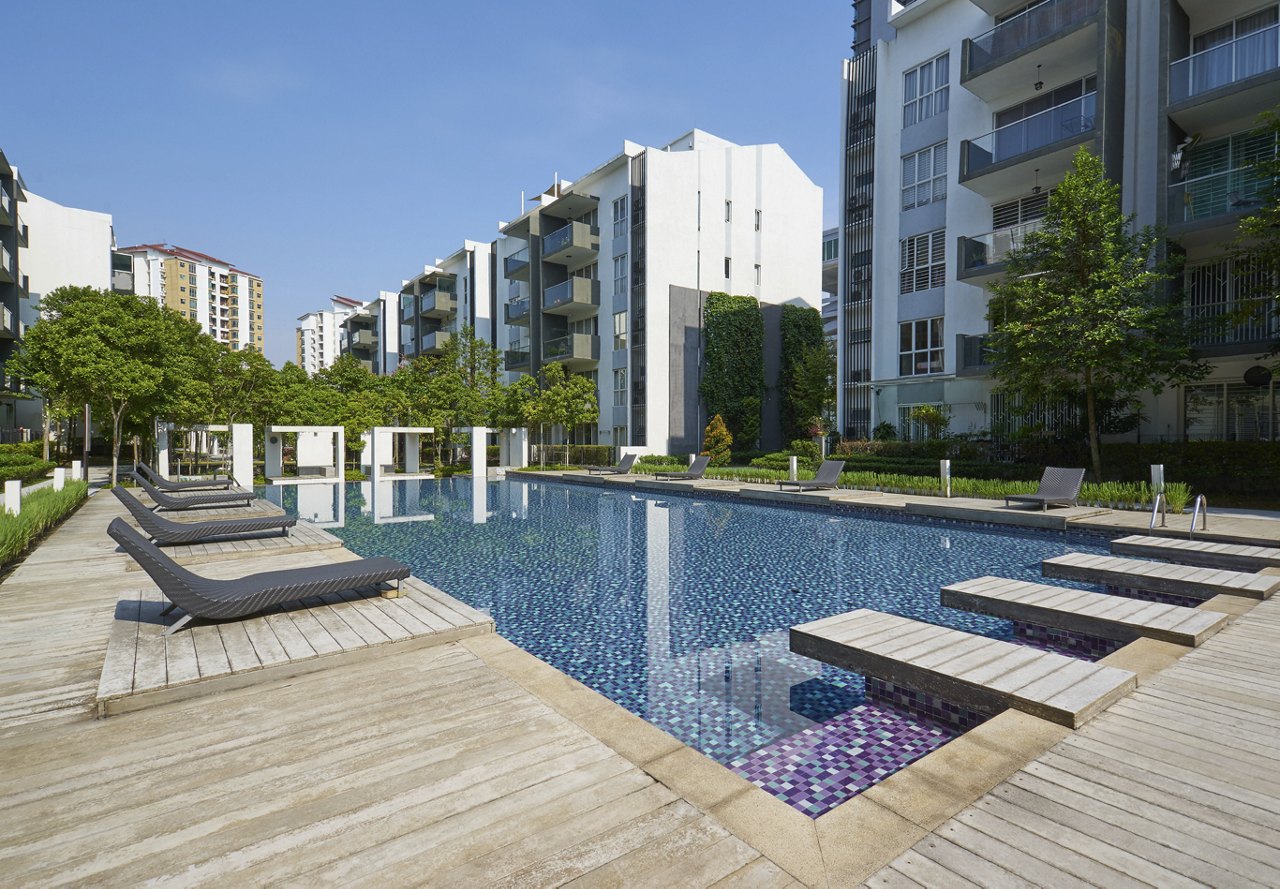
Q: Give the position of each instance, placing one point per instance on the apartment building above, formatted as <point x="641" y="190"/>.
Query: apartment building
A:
<point x="16" y="410"/>
<point x="830" y="281"/>
<point x="961" y="116"/>
<point x="607" y="276"/>
<point x="372" y="333"/>
<point x="318" y="334"/>
<point x="456" y="292"/>
<point x="227" y="301"/>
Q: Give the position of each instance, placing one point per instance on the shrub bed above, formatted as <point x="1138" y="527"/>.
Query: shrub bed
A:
<point x="41" y="510"/>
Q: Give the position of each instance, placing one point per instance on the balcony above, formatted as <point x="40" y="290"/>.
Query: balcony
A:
<point x="573" y="245"/>
<point x="1226" y="326"/>
<point x="1209" y="206"/>
<point x="577" y="351"/>
<point x="6" y="208"/>
<point x="434" y="343"/>
<point x="516" y="359"/>
<point x="23" y="232"/>
<point x="973" y="357"/>
<point x="438" y="303"/>
<point x="574" y="298"/>
<point x="1225" y="86"/>
<point x="6" y="266"/>
<point x="363" y="339"/>
<point x="981" y="258"/>
<point x="516" y="266"/>
<point x="1001" y="162"/>
<point x="1060" y="36"/>
<point x="516" y="312"/>
<point x="9" y="325"/>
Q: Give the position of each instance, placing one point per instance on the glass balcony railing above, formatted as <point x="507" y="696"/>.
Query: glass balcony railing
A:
<point x="1225" y="64"/>
<point x="579" y="293"/>
<point x="6" y="262"/>
<point x="581" y="347"/>
<point x="6" y="202"/>
<point x="517" y="310"/>
<point x="575" y="234"/>
<point x="1231" y="191"/>
<point x="1032" y="26"/>
<point x="1052" y="125"/>
<point x="983" y="251"/>
<point x="975" y="355"/>
<point x="517" y="357"/>
<point x="516" y="263"/>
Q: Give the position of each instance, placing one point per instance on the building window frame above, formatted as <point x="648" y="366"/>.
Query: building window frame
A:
<point x="619" y="330"/>
<point x="620" y="217"/>
<point x="920" y="189"/>
<point x="922" y="262"/>
<point x="926" y="90"/>
<point x="921" y="350"/>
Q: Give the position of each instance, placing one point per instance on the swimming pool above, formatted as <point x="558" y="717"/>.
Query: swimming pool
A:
<point x="678" y="607"/>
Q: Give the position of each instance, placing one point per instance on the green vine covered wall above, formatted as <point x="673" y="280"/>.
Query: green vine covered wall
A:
<point x="733" y="376"/>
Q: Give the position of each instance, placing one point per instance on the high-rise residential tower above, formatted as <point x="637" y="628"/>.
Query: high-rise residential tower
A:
<point x="318" y="334"/>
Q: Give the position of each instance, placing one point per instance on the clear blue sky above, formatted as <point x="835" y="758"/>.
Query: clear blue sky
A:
<point x="337" y="147"/>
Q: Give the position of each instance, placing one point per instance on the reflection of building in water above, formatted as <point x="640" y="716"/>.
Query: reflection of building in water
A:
<point x="389" y="502"/>
<point x="321" y="504"/>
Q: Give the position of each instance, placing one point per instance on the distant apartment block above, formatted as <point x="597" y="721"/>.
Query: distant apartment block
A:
<point x="961" y="117"/>
<point x="830" y="281"/>
<point x="15" y="408"/>
<point x="319" y="334"/>
<point x="456" y="292"/>
<point x="225" y="300"/>
<point x="371" y="333"/>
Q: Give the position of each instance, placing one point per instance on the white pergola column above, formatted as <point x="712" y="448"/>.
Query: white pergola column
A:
<point x="274" y="463"/>
<point x="242" y="454"/>
<point x="163" y="433"/>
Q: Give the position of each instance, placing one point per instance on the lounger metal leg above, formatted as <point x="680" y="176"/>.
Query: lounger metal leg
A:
<point x="181" y="622"/>
<point x="168" y="608"/>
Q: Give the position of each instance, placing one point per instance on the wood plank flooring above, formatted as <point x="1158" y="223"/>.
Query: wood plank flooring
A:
<point x="1160" y="577"/>
<point x="1232" y="556"/>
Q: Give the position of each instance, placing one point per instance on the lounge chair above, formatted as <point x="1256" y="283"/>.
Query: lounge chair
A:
<point x="828" y="477"/>
<point x="203" y="484"/>
<point x="194" y="500"/>
<point x="166" y="533"/>
<point x="696" y="470"/>
<point x="221" y="599"/>
<point x="1058" y="487"/>
<point x="623" y="467"/>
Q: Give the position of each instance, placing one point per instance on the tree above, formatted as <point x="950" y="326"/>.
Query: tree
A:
<point x="717" y="443"/>
<point x="804" y="390"/>
<point x="567" y="400"/>
<point x="733" y="371"/>
<point x="1084" y="310"/>
<point x="121" y="353"/>
<point x="1256" y="248"/>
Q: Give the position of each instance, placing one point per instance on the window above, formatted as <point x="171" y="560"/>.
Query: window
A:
<point x="910" y="427"/>
<point x="620" y="275"/>
<point x="924" y="176"/>
<point x="920" y="347"/>
<point x="830" y="249"/>
<point x="925" y="90"/>
<point x="924" y="262"/>
<point x="757" y="273"/>
<point x="619" y="330"/>
<point x="728" y="211"/>
<point x="1066" y="122"/>
<point x="726" y="266"/>
<point x="1024" y="209"/>
<point x="620" y="387"/>
<point x="620" y="217"/>
<point x="759" y="218"/>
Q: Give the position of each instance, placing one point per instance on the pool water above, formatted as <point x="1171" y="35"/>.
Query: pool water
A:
<point x="678" y="607"/>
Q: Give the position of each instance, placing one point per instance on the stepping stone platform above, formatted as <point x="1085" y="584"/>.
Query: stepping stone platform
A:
<point x="1160" y="577"/>
<point x="1079" y="611"/>
<point x="144" y="668"/>
<point x="1206" y="553"/>
<point x="982" y="674"/>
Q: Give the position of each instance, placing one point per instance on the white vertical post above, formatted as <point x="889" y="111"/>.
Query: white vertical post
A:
<point x="692" y="457"/>
<point x="412" y="452"/>
<point x="162" y="448"/>
<point x="59" y="478"/>
<point x="515" y="448"/>
<point x="479" y="465"/>
<point x="242" y="454"/>
<point x="1157" y="479"/>
<point x="368" y="454"/>
<point x="76" y="472"/>
<point x="794" y="469"/>
<point x="945" y="467"/>
<point x="13" y="497"/>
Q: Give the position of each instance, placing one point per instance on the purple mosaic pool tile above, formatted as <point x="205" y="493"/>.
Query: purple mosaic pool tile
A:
<point x="1078" y="645"/>
<point x="917" y="703"/>
<point x="823" y="766"/>
<point x="1152" y="596"/>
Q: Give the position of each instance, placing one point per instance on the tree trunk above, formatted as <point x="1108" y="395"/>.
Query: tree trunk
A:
<point x="44" y="420"/>
<point x="117" y="421"/>
<point x="1095" y="450"/>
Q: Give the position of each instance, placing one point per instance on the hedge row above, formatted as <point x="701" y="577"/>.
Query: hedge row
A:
<point x="41" y="510"/>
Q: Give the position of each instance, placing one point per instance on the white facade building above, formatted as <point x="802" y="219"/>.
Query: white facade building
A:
<point x="372" y="333"/>
<point x="455" y="293"/>
<point x="607" y="275"/>
<point x="72" y="247"/>
<point x="318" y="334"/>
<point x="963" y="115"/>
<point x="225" y="300"/>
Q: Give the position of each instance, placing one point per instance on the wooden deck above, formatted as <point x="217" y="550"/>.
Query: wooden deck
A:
<point x="1079" y="611"/>
<point x="983" y="674"/>
<point x="143" y="668"/>
<point x="1160" y="577"/>
<point x="1173" y="786"/>
<point x="1231" y="556"/>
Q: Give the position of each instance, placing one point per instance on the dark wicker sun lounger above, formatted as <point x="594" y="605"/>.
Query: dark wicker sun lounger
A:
<point x="623" y="467"/>
<point x="204" y="484"/>
<point x="194" y="500"/>
<point x="1058" y="487"/>
<point x="828" y="477"/>
<point x="221" y="599"/>
<point x="695" y="471"/>
<point x="167" y="533"/>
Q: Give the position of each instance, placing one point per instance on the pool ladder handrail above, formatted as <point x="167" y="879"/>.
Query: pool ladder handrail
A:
<point x="1204" y="517"/>
<point x="1161" y="505"/>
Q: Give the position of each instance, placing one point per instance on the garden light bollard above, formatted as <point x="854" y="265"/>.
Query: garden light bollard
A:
<point x="944" y="466"/>
<point x="59" y="478"/>
<point x="794" y="469"/>
<point x="76" y="472"/>
<point x="13" y="497"/>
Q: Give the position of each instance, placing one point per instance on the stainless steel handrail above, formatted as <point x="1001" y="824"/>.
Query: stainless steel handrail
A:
<point x="1163" y="506"/>
<point x="1204" y="517"/>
